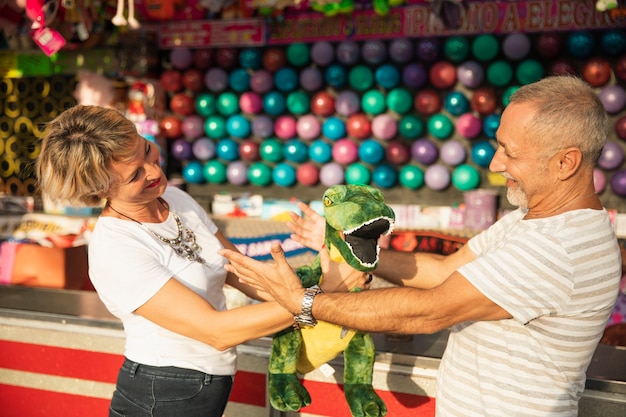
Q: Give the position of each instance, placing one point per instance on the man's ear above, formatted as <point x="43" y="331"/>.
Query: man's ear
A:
<point x="570" y="160"/>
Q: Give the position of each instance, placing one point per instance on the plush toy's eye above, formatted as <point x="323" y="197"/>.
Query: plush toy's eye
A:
<point x="327" y="202"/>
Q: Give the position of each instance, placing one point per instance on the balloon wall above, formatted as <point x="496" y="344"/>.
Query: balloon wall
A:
<point x="400" y="114"/>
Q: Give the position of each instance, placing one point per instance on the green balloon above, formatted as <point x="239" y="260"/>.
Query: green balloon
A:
<point x="228" y="103"/>
<point x="205" y="104"/>
<point x="499" y="73"/>
<point x="465" y="177"/>
<point x="361" y="78"/>
<point x="508" y="92"/>
<point x="529" y="71"/>
<point x="456" y="48"/>
<point x="357" y="173"/>
<point x="410" y="126"/>
<point x="215" y="127"/>
<point x="485" y="47"/>
<point x="214" y="172"/>
<point x="400" y="100"/>
<point x="411" y="177"/>
<point x="259" y="174"/>
<point x="271" y="150"/>
<point x="440" y="126"/>
<point x="298" y="102"/>
<point x="298" y="54"/>
<point x="373" y="102"/>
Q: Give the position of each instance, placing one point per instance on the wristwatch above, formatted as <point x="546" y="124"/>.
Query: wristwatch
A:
<point x="306" y="317"/>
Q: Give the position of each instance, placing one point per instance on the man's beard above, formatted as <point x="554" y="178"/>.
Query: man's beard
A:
<point x="515" y="195"/>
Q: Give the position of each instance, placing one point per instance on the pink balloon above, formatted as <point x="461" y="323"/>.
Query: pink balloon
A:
<point x="250" y="102"/>
<point x="308" y="174"/>
<point x="347" y="103"/>
<point x="261" y="81"/>
<point x="192" y="126"/>
<point x="599" y="180"/>
<point x="384" y="127"/>
<point x="345" y="151"/>
<point x="468" y="125"/>
<point x="332" y="174"/>
<point x="285" y="127"/>
<point x="308" y="127"/>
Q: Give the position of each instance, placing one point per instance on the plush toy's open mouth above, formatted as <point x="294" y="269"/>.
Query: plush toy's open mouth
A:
<point x="363" y="240"/>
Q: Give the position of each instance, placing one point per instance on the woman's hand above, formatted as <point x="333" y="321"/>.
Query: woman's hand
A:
<point x="308" y="229"/>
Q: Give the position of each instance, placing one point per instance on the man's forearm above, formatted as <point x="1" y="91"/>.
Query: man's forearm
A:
<point x="408" y="269"/>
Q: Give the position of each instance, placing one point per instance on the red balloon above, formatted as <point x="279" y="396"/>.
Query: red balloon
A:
<point x="171" y="81"/>
<point x="171" y="126"/>
<point x="597" y="72"/>
<point x="620" y="128"/>
<point x="443" y="75"/>
<point x="226" y="58"/>
<point x="427" y="102"/>
<point x="620" y="68"/>
<point x="308" y="174"/>
<point x="562" y="67"/>
<point x="193" y="80"/>
<point x="249" y="150"/>
<point x="549" y="45"/>
<point x="359" y="126"/>
<point x="398" y="153"/>
<point x="182" y="104"/>
<point x="323" y="104"/>
<point x="484" y="101"/>
<point x="202" y="58"/>
<point x="274" y="59"/>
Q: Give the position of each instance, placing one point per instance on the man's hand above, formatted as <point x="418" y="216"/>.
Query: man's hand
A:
<point x="308" y="229"/>
<point x="341" y="277"/>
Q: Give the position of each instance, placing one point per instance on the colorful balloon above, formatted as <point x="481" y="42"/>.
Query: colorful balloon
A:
<point x="482" y="153"/>
<point x="410" y="126"/>
<point x="181" y="149"/>
<point x="261" y="81"/>
<point x="192" y="126"/>
<point x="374" y="52"/>
<point x="384" y="176"/>
<point x="485" y="47"/>
<point x="323" y="104"/>
<point x="456" y="103"/>
<point x="193" y="80"/>
<point x="529" y="71"/>
<point x="428" y="49"/>
<point x="227" y="58"/>
<point x="465" y="177"/>
<point x="203" y="149"/>
<point x="227" y="149"/>
<point x="612" y="156"/>
<point x="371" y="151"/>
<point x="442" y="75"/>
<point x="345" y="151"/>
<point x="262" y="126"/>
<point x="298" y="54"/>
<point x="192" y="172"/>
<point x="613" y="98"/>
<point x="470" y="74"/>
<point x="499" y="73"/>
<point x="320" y="151"/>
<point x="216" y="80"/>
<point x="308" y="174"/>
<point x="427" y="102"/>
<point x="171" y="81"/>
<point x="311" y="79"/>
<point x="484" y="101"/>
<point x="581" y="44"/>
<point x="181" y="58"/>
<point x="237" y="173"/>
<point x="347" y="103"/>
<point x="491" y="124"/>
<point x="397" y="153"/>
<point x="274" y="59"/>
<point x="440" y="126"/>
<point x="387" y="76"/>
<point x="359" y="126"/>
<point x="227" y="103"/>
<point x="202" y="58"/>
<point x="259" y="174"/>
<point x="373" y="102"/>
<point x="182" y="104"/>
<point x="295" y="150"/>
<point x="618" y="183"/>
<point x="424" y="151"/>
<point x="456" y="48"/>
<point x="334" y="128"/>
<point x="308" y="127"/>
<point x="274" y="103"/>
<point x="357" y="173"/>
<point x="414" y="75"/>
<point x="298" y="102"/>
<point x="239" y="80"/>
<point x="336" y="76"/>
<point x="284" y="175"/>
<point x="205" y="104"/>
<point x="613" y="42"/>
<point x="453" y="153"/>
<point x="549" y="45"/>
<point x="516" y="46"/>
<point x="214" y="172"/>
<point x="620" y="128"/>
<point x="249" y="150"/>
<point x="348" y="52"/>
<point x="399" y="100"/>
<point x="361" y="78"/>
<point x="215" y="127"/>
<point x="384" y="126"/>
<point x="401" y="50"/>
<point x="171" y="127"/>
<point x="437" y="177"/>
<point x="332" y="174"/>
<point x="238" y="126"/>
<point x="271" y="150"/>
<point x="286" y="79"/>
<point x="250" y="102"/>
<point x="411" y="176"/>
<point x="599" y="180"/>
<point x="322" y="53"/>
<point x="468" y="125"/>
<point x="285" y="127"/>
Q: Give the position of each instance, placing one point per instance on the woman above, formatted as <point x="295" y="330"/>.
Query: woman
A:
<point x="153" y="261"/>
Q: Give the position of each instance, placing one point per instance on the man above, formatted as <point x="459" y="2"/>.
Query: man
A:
<point x="527" y="300"/>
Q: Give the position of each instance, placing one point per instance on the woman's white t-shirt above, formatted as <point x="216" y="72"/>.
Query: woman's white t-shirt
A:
<point x="127" y="266"/>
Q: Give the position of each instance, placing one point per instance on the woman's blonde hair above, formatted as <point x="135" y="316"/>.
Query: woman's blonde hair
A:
<point x="77" y="151"/>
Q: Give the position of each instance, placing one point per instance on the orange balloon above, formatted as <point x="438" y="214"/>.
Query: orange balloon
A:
<point x="182" y="104"/>
<point x="193" y="80"/>
<point x="427" y="102"/>
<point x="597" y="72"/>
<point x="359" y="126"/>
<point x="484" y="101"/>
<point x="171" y="126"/>
<point x="323" y="104"/>
<point x="274" y="59"/>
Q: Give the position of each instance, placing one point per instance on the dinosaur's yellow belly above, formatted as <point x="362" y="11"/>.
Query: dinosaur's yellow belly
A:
<point x="321" y="344"/>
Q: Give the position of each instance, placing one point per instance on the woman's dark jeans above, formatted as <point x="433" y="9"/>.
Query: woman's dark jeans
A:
<point x="152" y="391"/>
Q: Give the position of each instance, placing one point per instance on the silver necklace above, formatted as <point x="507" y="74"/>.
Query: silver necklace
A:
<point x="184" y="244"/>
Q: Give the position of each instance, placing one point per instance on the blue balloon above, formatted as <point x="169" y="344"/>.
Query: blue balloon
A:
<point x="192" y="172"/>
<point x="284" y="175"/>
<point x="227" y="149"/>
<point x="334" y="128"/>
<point x="286" y="79"/>
<point x="456" y="103"/>
<point x="387" y="76"/>
<point x="274" y="103"/>
<point x="336" y="76"/>
<point x="614" y="42"/>
<point x="320" y="151"/>
<point x="371" y="151"/>
<point x="239" y="80"/>
<point x="251" y="58"/>
<point x="238" y="126"/>
<point x="384" y="176"/>
<point x="581" y="44"/>
<point x="482" y="153"/>
<point x="295" y="150"/>
<point x="491" y="124"/>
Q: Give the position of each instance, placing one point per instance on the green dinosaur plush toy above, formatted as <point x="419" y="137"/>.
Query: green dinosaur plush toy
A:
<point x="356" y="216"/>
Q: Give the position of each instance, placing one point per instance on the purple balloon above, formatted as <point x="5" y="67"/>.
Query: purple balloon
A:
<point x="599" y="180"/>
<point x="471" y="74"/>
<point x="192" y="126"/>
<point x="332" y="174"/>
<point x="516" y="46"/>
<point x="613" y="98"/>
<point x="322" y="53"/>
<point x="203" y="149"/>
<point x="181" y="58"/>
<point x="216" y="80"/>
<point x="414" y="75"/>
<point x="428" y="49"/>
<point x="348" y="52"/>
<point x="437" y="177"/>
<point x="401" y="50"/>
<point x="181" y="149"/>
<point x="612" y="156"/>
<point x="453" y="153"/>
<point x="374" y="52"/>
<point x="618" y="183"/>
<point x="237" y="173"/>
<point x="311" y="79"/>
<point x="424" y="151"/>
<point x="262" y="126"/>
<point x="347" y="103"/>
<point x="261" y="81"/>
